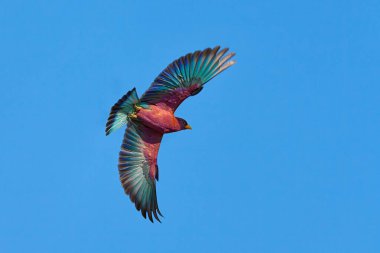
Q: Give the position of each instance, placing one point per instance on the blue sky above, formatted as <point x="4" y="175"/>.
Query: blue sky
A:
<point x="284" y="151"/>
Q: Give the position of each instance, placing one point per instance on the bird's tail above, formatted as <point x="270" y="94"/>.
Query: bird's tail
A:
<point x="121" y="111"/>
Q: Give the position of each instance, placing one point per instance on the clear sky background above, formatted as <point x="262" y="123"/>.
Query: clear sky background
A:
<point x="284" y="155"/>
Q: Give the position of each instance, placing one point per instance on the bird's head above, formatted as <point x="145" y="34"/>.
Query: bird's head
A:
<point x="183" y="124"/>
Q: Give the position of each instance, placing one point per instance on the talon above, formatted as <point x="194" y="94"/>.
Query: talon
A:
<point x="132" y="116"/>
<point x="137" y="108"/>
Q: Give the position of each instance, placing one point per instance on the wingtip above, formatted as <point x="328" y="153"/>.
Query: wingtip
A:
<point x="150" y="217"/>
<point x="232" y="62"/>
<point x="158" y="211"/>
<point x="156" y="216"/>
<point x="216" y="48"/>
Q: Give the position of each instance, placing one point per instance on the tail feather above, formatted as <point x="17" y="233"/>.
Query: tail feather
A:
<point x="119" y="112"/>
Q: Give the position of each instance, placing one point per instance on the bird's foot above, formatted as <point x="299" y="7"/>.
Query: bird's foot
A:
<point x="132" y="116"/>
<point x="137" y="108"/>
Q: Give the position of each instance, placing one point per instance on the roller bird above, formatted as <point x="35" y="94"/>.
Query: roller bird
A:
<point x="151" y="116"/>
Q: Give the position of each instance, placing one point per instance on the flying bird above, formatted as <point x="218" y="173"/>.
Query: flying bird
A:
<point x="151" y="116"/>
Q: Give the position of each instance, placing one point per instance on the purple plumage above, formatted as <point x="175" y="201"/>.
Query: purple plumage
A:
<point x="152" y="116"/>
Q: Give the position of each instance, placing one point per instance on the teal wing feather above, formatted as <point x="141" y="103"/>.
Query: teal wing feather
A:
<point x="118" y="115"/>
<point x="138" y="168"/>
<point x="186" y="76"/>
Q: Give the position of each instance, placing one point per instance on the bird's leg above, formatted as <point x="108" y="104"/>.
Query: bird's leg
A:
<point x="132" y="116"/>
<point x="137" y="108"/>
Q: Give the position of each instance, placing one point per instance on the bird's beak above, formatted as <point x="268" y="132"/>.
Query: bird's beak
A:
<point x="188" y="127"/>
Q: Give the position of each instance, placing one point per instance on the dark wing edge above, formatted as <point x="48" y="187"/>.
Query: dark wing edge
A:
<point x="137" y="173"/>
<point x="186" y="76"/>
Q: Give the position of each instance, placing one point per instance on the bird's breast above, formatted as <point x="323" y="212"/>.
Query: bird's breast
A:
<point x="158" y="119"/>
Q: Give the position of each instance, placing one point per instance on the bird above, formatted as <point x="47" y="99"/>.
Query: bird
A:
<point x="151" y="116"/>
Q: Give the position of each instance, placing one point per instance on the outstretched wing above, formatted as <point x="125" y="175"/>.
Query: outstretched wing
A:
<point x="138" y="167"/>
<point x="186" y="76"/>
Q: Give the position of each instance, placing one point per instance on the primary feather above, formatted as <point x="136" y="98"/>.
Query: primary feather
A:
<point x="186" y="76"/>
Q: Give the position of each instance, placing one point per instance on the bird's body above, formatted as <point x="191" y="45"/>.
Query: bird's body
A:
<point x="158" y="119"/>
<point x="151" y="116"/>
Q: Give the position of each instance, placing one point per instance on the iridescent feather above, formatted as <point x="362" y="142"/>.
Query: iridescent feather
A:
<point x="118" y="115"/>
<point x="138" y="165"/>
<point x="186" y="76"/>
